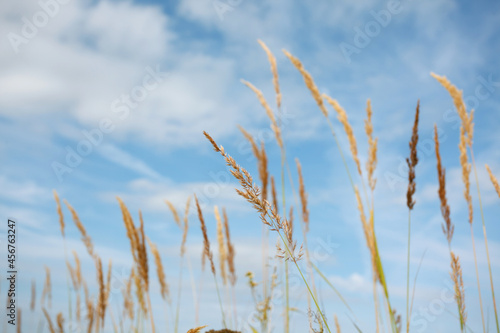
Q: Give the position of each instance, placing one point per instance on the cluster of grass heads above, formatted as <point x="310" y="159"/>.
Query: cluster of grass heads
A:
<point x="277" y="218"/>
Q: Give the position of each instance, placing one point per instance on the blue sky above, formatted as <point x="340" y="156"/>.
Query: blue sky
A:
<point x="69" y="77"/>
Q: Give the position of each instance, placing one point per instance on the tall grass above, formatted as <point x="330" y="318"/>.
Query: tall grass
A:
<point x="275" y="210"/>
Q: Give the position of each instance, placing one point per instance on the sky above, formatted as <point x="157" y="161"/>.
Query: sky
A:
<point x="107" y="99"/>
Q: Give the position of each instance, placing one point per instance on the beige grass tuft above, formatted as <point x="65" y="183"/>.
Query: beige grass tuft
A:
<point x="309" y="82"/>
<point x="269" y="112"/>
<point x="494" y="181"/>
<point x="274" y="70"/>
<point x="371" y="164"/>
<point x="222" y="246"/>
<point x="447" y="227"/>
<point x="59" y="212"/>
<point x="342" y="117"/>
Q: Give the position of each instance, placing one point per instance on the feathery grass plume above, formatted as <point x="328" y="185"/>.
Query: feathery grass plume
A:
<point x="108" y="289"/>
<point x="371" y="164"/>
<point x="102" y="292"/>
<point x="274" y="194"/>
<point x="142" y="254"/>
<point x="208" y="253"/>
<point x="222" y="247"/>
<point x="269" y="112"/>
<point x="49" y="321"/>
<point x="90" y="315"/>
<point x="206" y="242"/>
<point x="59" y="212"/>
<point x="78" y="270"/>
<point x="132" y="234"/>
<point x="269" y="215"/>
<point x="456" y="95"/>
<point x="309" y="82"/>
<point x="60" y="322"/>
<point x="303" y="196"/>
<point x="85" y="237"/>
<point x="412" y="162"/>
<point x="230" y="249"/>
<point x="249" y="137"/>
<point x="456" y="276"/>
<point x="468" y="127"/>
<point x="466" y="168"/>
<point x="447" y="227"/>
<point x="128" y="302"/>
<point x="159" y="270"/>
<point x="47" y="288"/>
<point x="143" y="267"/>
<point x="410" y="202"/>
<point x="494" y="181"/>
<point x="263" y="172"/>
<point x="72" y="274"/>
<point x="197" y="329"/>
<point x="33" y="295"/>
<point x="274" y="70"/>
<point x="342" y="117"/>
<point x="337" y="325"/>
<point x="139" y="292"/>
<point x="174" y="213"/>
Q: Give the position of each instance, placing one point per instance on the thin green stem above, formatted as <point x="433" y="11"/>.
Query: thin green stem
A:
<point x="485" y="240"/>
<point x="333" y="288"/>
<point x="408" y="274"/>
<point x="220" y="302"/>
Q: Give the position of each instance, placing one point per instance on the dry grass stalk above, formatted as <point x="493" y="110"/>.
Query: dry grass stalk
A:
<point x="90" y="315"/>
<point x="274" y="194"/>
<point x="371" y="164"/>
<point x="230" y="250"/>
<point x="128" y="303"/>
<point x="85" y="237"/>
<point x="369" y="232"/>
<point x="456" y="276"/>
<point x="108" y="289"/>
<point x="222" y="246"/>
<point x="448" y="227"/>
<point x="130" y="228"/>
<point x="78" y="270"/>
<point x="466" y="168"/>
<point x="456" y="95"/>
<point x="186" y="226"/>
<point x="49" y="321"/>
<point x="197" y="329"/>
<point x="250" y="139"/>
<point x="251" y="193"/>
<point x="303" y="196"/>
<point x="174" y="213"/>
<point x="159" y="270"/>
<point x="274" y="70"/>
<point x="263" y="172"/>
<point x="47" y="288"/>
<point x="206" y="242"/>
<point x="342" y="117"/>
<point x="269" y="112"/>
<point x="59" y="212"/>
<point x="309" y="82"/>
<point x="72" y="274"/>
<point x="33" y="295"/>
<point x="60" y="322"/>
<point x="142" y="255"/>
<point x="494" y="181"/>
<point x="337" y="325"/>
<point x="102" y="292"/>
<point x="412" y="161"/>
